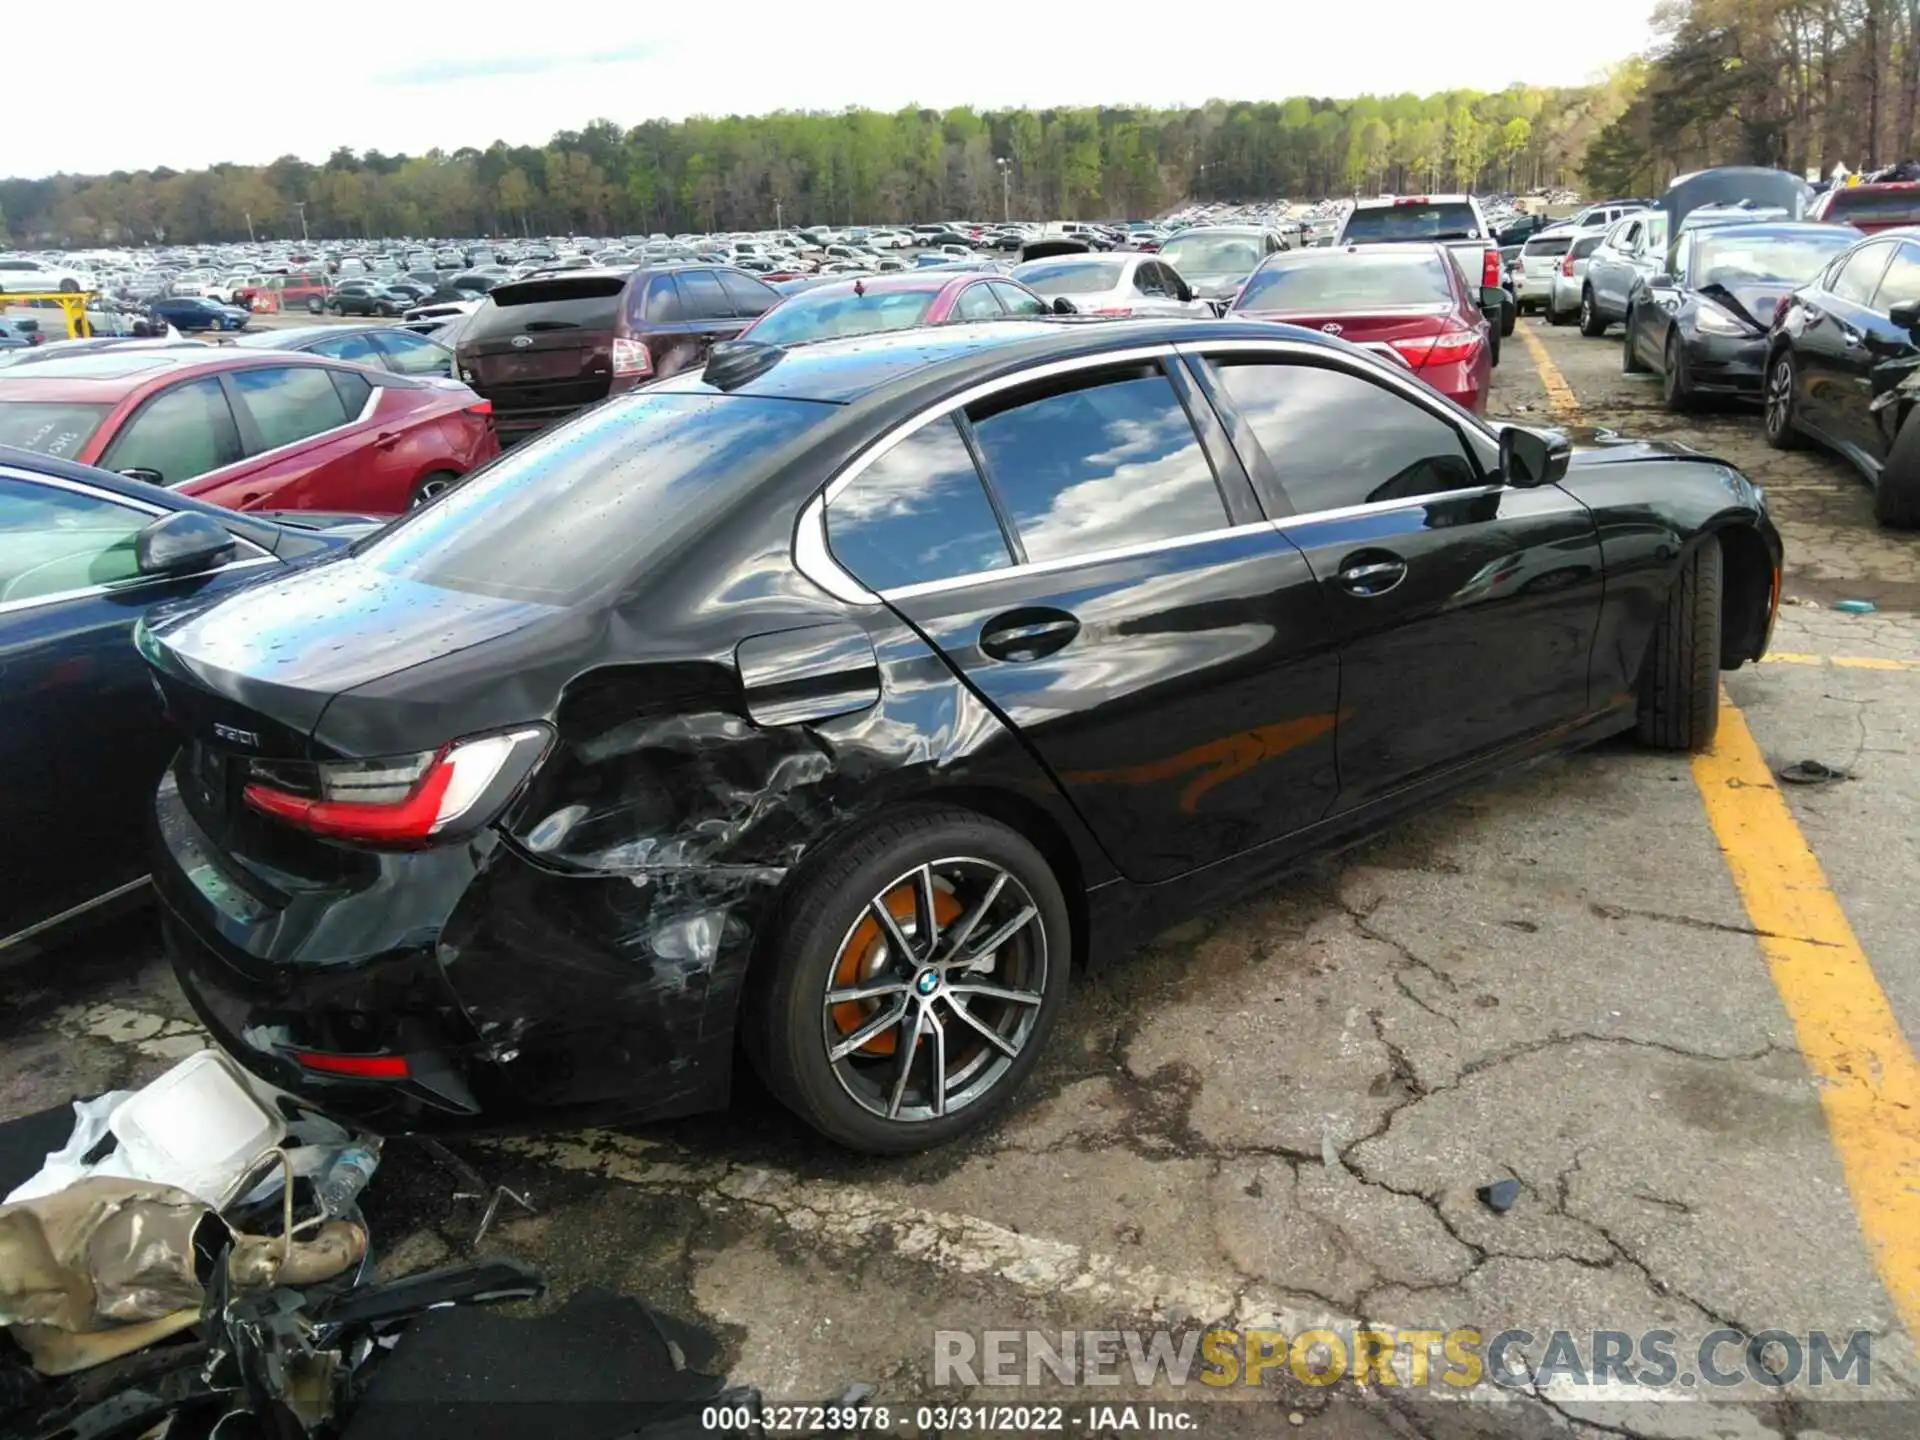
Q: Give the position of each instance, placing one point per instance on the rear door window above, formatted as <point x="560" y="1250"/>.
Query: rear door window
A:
<point x="410" y="354"/>
<point x="1097" y="464"/>
<point x="181" y="433"/>
<point x="747" y="296"/>
<point x="918" y="513"/>
<point x="289" y="404"/>
<point x="1902" y="280"/>
<point x="1016" y="300"/>
<point x="977" y="303"/>
<point x="1859" y="273"/>
<point x="662" y="301"/>
<point x="701" y="297"/>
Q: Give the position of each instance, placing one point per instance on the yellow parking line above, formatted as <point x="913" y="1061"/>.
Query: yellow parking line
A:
<point x="1868" y="1078"/>
<point x="1559" y="394"/>
<point x="1866" y="1073"/>
<point x="1845" y="662"/>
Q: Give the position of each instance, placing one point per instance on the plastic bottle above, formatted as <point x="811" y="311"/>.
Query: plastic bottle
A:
<point x="346" y="1175"/>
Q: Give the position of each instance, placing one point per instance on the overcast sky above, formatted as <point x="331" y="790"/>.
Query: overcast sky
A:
<point x="249" y="83"/>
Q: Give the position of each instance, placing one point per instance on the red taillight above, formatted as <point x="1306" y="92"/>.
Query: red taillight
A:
<point x="358" y="1067"/>
<point x="1490" y="269"/>
<point x="1566" y="265"/>
<point x="631" y="357"/>
<point x="480" y="407"/>
<point x="401" y="802"/>
<point x="1449" y="348"/>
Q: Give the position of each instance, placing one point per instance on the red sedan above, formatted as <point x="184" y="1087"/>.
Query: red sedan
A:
<point x="252" y="430"/>
<point x="1410" y="297"/>
<point x="900" y="301"/>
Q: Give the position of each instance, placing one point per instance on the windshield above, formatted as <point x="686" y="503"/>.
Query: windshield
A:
<point x="1070" y="277"/>
<point x="625" y="486"/>
<point x="49" y="427"/>
<point x="1342" y="282"/>
<point x="1212" y="254"/>
<point x="1407" y="220"/>
<point x="828" y="317"/>
<point x="1756" y="259"/>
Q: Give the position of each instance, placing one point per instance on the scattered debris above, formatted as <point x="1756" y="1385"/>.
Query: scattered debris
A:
<point x="1855" y="607"/>
<point x="1500" y="1196"/>
<point x="1812" y="772"/>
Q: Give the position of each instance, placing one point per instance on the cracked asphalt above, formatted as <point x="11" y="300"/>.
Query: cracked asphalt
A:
<point x="1278" y="1116"/>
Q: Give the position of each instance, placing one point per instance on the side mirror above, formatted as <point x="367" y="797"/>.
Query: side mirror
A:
<point x="1533" y="457"/>
<point x="1906" y="314"/>
<point x="181" y="543"/>
<point x="1063" y="306"/>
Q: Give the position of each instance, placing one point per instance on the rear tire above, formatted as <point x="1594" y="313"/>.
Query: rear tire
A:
<point x="1508" y="316"/>
<point x="1592" y="323"/>
<point x="316" y="306"/>
<point x="1557" y="317"/>
<point x="428" y="486"/>
<point x="1896" y="495"/>
<point x="1493" y="344"/>
<point x="810" y="943"/>
<point x="1777" y="419"/>
<point x="1679" y="689"/>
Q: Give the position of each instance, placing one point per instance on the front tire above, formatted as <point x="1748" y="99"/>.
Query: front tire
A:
<point x="1777" y="419"/>
<point x="1592" y="323"/>
<point x="316" y="307"/>
<point x="1679" y="690"/>
<point x="1508" y="317"/>
<point x="869" y="1022"/>
<point x="428" y="486"/>
<point x="1630" y="361"/>
<point x="1677" y="382"/>
<point x="1896" y="494"/>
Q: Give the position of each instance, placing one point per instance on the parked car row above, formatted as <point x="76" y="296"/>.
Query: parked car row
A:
<point x="1741" y="284"/>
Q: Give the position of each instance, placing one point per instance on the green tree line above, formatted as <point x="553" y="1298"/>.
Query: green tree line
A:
<point x="1797" y="84"/>
<point x="857" y="166"/>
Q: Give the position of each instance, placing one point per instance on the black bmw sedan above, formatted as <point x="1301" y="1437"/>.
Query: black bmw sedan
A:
<point x="1702" y="321"/>
<point x="838" y="703"/>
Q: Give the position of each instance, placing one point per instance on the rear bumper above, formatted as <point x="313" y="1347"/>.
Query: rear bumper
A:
<point x="508" y="997"/>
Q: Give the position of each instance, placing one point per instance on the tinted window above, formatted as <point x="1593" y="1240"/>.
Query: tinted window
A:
<point x="180" y="433"/>
<point x="1333" y="280"/>
<point x="1886" y="207"/>
<point x="553" y="303"/>
<point x="49" y="427"/>
<point x="1070" y="277"/>
<point x="1337" y="440"/>
<point x="832" y="314"/>
<point x="1585" y="246"/>
<point x="1902" y="280"/>
<point x="358" y="348"/>
<point x="1018" y="301"/>
<point x="663" y="301"/>
<point x="290" y="404"/>
<point x="354" y="391"/>
<point x="917" y="513"/>
<point x="1409" y="220"/>
<point x="1148" y="280"/>
<point x="1734" y="257"/>
<point x="410" y="354"/>
<point x="1547" y="245"/>
<point x="1111" y="463"/>
<point x="53" y="540"/>
<point x="701" y="297"/>
<point x="747" y="296"/>
<point x="977" y="303"/>
<point x="1860" y="273"/>
<point x="596" y="499"/>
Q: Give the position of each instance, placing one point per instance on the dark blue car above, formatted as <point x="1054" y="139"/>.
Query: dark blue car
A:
<point x="192" y="312"/>
<point x="83" y="555"/>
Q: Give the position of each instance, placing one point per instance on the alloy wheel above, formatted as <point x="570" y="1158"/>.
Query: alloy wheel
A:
<point x="935" y="990"/>
<point x="1779" y="396"/>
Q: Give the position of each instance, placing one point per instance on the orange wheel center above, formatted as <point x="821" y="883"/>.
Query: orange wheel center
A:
<point x="864" y="954"/>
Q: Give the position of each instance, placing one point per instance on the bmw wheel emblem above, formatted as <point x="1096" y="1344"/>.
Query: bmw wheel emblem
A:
<point x="928" y="982"/>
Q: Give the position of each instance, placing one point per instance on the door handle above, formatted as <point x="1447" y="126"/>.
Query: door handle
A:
<point x="387" y="439"/>
<point x="1813" y="313"/>
<point x="1030" y="634"/>
<point x="1849" y="335"/>
<point x="1368" y="578"/>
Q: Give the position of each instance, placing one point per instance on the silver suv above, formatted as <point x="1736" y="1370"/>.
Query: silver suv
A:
<point x="1635" y="247"/>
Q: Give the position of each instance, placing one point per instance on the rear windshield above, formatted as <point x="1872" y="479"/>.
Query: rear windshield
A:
<point x="1442" y="220"/>
<point x="1339" y="281"/>
<point x="1901" y="207"/>
<point x="1213" y="254"/>
<point x="830" y="317"/>
<point x="1069" y="277"/>
<point x="555" y="303"/>
<point x="564" y="514"/>
<point x="1548" y="245"/>
<point x="49" y="427"/>
<point x="1586" y="245"/>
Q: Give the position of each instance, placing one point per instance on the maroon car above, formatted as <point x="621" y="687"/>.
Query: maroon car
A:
<point x="1406" y="296"/>
<point x="1870" y="207"/>
<point x="872" y="303"/>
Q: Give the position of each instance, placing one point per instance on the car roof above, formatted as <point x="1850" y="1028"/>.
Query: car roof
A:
<point x="1382" y="202"/>
<point x="1219" y="230"/>
<point x="926" y="278"/>
<point x="845" y="371"/>
<point x="1784" y="228"/>
<point x="295" y="336"/>
<point x="108" y="375"/>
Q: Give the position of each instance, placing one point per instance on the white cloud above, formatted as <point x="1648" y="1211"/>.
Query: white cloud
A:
<point x="275" y="83"/>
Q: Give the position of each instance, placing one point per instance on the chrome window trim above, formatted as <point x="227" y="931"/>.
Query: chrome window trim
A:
<point x="93" y="492"/>
<point x="1067" y="562"/>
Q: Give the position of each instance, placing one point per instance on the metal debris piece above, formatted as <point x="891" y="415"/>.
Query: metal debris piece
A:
<point x="1500" y="1195"/>
<point x="1812" y="772"/>
<point x="475" y="1187"/>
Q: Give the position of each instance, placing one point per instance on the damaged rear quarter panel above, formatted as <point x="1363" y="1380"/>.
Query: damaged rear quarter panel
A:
<point x="604" y="953"/>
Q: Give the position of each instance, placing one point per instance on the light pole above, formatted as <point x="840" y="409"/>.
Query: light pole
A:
<point x="1006" y="189"/>
<point x="249" y="215"/>
<point x="778" y="222"/>
<point x="301" y="206"/>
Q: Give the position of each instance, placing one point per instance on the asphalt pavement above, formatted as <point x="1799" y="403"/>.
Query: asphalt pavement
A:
<point x="1673" y="1000"/>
